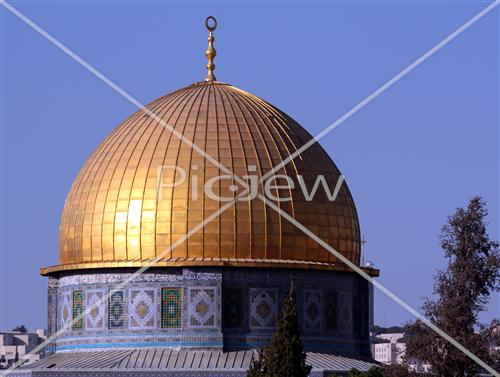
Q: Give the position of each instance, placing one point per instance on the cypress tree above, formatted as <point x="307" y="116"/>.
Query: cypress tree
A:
<point x="285" y="356"/>
<point x="257" y="366"/>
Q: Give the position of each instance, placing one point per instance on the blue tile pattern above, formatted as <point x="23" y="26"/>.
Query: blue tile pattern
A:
<point x="116" y="310"/>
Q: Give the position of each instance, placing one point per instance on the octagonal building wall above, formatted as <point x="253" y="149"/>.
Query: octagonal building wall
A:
<point x="206" y="309"/>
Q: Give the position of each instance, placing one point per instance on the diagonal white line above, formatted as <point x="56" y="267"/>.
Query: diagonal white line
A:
<point x="385" y="86"/>
<point x="186" y="140"/>
<point x="377" y="284"/>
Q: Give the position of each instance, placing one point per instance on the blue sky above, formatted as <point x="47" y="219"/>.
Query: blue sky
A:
<point x="410" y="157"/>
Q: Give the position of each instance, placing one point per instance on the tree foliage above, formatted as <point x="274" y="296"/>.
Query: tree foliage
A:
<point x="461" y="292"/>
<point x="492" y="335"/>
<point x="257" y="366"/>
<point x="285" y="356"/>
<point x="399" y="370"/>
<point x="372" y="372"/>
<point x="20" y="328"/>
<point x="376" y="330"/>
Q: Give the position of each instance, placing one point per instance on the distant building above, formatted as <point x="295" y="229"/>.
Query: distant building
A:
<point x="15" y="345"/>
<point x="390" y="349"/>
<point x="391" y="337"/>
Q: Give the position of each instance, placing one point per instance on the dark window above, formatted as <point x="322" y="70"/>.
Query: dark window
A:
<point x="356" y="314"/>
<point x="365" y="308"/>
<point x="331" y="311"/>
<point x="234" y="307"/>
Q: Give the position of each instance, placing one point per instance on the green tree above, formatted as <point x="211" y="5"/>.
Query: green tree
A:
<point x="491" y="333"/>
<point x="257" y="366"/>
<point x="396" y="370"/>
<point x="399" y="370"/>
<point x="372" y="372"/>
<point x="384" y="330"/>
<point x="20" y="328"/>
<point x="461" y="293"/>
<point x="285" y="356"/>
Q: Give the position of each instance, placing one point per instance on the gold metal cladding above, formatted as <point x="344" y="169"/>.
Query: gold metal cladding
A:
<point x="113" y="216"/>
<point x="214" y="263"/>
<point x="211" y="25"/>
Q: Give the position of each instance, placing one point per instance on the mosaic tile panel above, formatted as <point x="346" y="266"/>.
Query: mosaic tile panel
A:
<point x="77" y="310"/>
<point x="142" y="308"/>
<point x="171" y="308"/>
<point x="95" y="318"/>
<point x="116" y="310"/>
<point x="196" y="274"/>
<point x="234" y="308"/>
<point x="263" y="308"/>
<point x="117" y="278"/>
<point x="202" y="307"/>
<point x="51" y="310"/>
<point x="331" y="311"/>
<point x="312" y="310"/>
<point x="66" y="309"/>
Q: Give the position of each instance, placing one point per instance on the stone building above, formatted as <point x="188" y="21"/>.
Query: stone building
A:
<point x="390" y="349"/>
<point x="202" y="305"/>
<point x="16" y="345"/>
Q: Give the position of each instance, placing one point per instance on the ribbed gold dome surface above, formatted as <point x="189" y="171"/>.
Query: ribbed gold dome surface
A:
<point x="113" y="218"/>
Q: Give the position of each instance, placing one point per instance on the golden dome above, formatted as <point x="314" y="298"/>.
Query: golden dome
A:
<point x="113" y="216"/>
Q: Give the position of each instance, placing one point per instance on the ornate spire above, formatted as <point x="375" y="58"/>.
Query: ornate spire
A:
<point x="210" y="52"/>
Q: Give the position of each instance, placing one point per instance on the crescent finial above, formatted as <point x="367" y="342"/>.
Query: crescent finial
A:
<point x="211" y="25"/>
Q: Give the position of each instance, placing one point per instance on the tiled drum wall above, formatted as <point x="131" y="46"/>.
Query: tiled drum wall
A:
<point x="167" y="308"/>
<point x="207" y="308"/>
